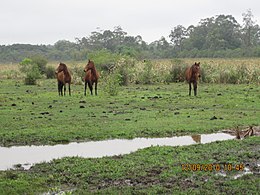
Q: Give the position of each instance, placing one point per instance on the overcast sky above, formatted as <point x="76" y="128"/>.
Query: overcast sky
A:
<point x="47" y="21"/>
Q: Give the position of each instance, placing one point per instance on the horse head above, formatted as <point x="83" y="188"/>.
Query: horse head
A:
<point x="196" y="69"/>
<point x="90" y="65"/>
<point x="61" y="67"/>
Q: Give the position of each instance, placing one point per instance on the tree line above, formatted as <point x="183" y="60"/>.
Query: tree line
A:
<point x="218" y="36"/>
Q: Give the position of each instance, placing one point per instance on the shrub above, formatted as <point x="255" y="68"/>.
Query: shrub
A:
<point x="41" y="63"/>
<point x="125" y="68"/>
<point x="104" y="59"/>
<point x="31" y="71"/>
<point x="112" y="84"/>
<point x="78" y="74"/>
<point x="177" y="71"/>
<point x="50" y="72"/>
<point x="32" y="76"/>
<point x="147" y="75"/>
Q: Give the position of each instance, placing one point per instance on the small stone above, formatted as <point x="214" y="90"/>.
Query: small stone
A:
<point x="213" y="118"/>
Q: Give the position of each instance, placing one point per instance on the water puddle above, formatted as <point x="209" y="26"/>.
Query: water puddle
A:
<point x="245" y="172"/>
<point x="26" y="156"/>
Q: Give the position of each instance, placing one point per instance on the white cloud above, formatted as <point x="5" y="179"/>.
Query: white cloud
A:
<point x="45" y="22"/>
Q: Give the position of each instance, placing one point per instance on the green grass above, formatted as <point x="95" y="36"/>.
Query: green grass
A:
<point x="153" y="170"/>
<point x="37" y="115"/>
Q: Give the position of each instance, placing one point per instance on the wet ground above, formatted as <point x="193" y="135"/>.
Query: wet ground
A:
<point x="26" y="156"/>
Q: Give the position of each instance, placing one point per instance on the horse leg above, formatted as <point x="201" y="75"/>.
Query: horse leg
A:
<point x="90" y="87"/>
<point x="69" y="90"/>
<point x="86" y="83"/>
<point x="64" y="89"/>
<point x="189" y="88"/>
<point x="96" y="88"/>
<point x="195" y="87"/>
<point x="61" y="88"/>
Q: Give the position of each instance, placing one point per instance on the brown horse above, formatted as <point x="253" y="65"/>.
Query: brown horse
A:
<point x="192" y="75"/>
<point x="91" y="77"/>
<point x="63" y="77"/>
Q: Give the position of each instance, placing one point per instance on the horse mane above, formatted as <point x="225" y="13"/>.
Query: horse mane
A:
<point x="91" y="67"/>
<point x="65" y="69"/>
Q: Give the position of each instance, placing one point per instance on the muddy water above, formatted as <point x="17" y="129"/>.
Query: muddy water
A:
<point x="29" y="155"/>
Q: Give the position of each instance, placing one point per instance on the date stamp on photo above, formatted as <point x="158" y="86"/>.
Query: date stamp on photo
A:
<point x="212" y="167"/>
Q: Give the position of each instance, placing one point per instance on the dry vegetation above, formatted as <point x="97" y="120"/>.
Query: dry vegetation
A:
<point x="234" y="71"/>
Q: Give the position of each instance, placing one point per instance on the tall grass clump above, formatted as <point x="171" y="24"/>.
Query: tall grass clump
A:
<point x="9" y="74"/>
<point x="78" y="74"/>
<point x="231" y="71"/>
<point x="112" y="84"/>
<point x="176" y="73"/>
<point x="145" y="72"/>
<point x="147" y="75"/>
<point x="125" y="68"/>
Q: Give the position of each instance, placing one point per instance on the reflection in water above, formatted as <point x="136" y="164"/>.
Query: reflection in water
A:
<point x="196" y="138"/>
<point x="29" y="155"/>
<point x="245" y="172"/>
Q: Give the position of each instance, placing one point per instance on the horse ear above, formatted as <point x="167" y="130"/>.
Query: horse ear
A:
<point x="88" y="60"/>
<point x="198" y="63"/>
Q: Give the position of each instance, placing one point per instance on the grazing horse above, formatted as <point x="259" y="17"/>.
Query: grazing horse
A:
<point x="192" y="74"/>
<point x="91" y="77"/>
<point x="63" y="77"/>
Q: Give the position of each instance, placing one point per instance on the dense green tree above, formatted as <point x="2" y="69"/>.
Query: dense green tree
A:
<point x="223" y="34"/>
<point x="177" y="36"/>
<point x="216" y="33"/>
<point x="218" y="36"/>
<point x="250" y="30"/>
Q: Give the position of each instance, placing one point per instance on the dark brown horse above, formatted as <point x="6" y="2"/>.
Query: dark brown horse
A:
<point x="91" y="77"/>
<point x="192" y="75"/>
<point x="63" y="77"/>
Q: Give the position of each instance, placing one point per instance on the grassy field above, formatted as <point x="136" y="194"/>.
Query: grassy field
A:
<point x="37" y="115"/>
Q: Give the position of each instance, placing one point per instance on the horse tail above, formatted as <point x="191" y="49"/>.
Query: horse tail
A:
<point x="98" y="75"/>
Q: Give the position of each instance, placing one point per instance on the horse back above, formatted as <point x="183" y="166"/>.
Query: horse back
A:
<point x="61" y="77"/>
<point x="67" y="78"/>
